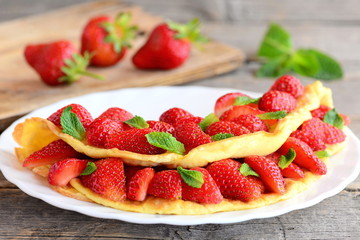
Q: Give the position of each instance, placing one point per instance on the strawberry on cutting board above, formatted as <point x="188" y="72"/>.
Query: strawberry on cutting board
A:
<point x="107" y="39"/>
<point x="168" y="46"/>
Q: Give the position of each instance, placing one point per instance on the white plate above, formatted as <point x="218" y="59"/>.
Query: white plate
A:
<point x="150" y="103"/>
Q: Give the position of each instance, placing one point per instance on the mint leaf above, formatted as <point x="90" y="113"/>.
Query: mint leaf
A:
<point x="272" y="115"/>
<point x="322" y="154"/>
<point x="244" y="100"/>
<point x="276" y="42"/>
<point x="333" y="118"/>
<point x="275" y="67"/>
<point x="165" y="141"/>
<point x="305" y="63"/>
<point x="208" y="120"/>
<point x="137" y="122"/>
<point x="71" y="124"/>
<point x="246" y="170"/>
<point x="191" y="177"/>
<point x="285" y="161"/>
<point x="221" y="136"/>
<point x="90" y="168"/>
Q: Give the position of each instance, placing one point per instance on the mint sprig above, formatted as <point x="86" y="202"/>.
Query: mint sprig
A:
<point x="208" y="120"/>
<point x="71" y="124"/>
<point x="333" y="118"/>
<point x="244" y="100"/>
<point x="192" y="178"/>
<point x="280" y="58"/>
<point x="165" y="141"/>
<point x="246" y="170"/>
<point x="272" y="115"/>
<point x="90" y="168"/>
<point x="285" y="160"/>
<point x="137" y="122"/>
<point x="221" y="136"/>
<point x="322" y="154"/>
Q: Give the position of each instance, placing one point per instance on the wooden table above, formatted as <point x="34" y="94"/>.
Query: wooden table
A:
<point x="331" y="26"/>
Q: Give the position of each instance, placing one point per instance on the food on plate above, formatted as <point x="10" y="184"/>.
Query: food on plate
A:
<point x="239" y="157"/>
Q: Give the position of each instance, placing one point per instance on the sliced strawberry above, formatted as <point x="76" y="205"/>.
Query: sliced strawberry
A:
<point x="251" y="122"/>
<point x="226" y="127"/>
<point x="138" y="185"/>
<point x="291" y="171"/>
<point x="226" y="102"/>
<point x="208" y="193"/>
<point x="159" y="126"/>
<point x="173" y="114"/>
<point x="108" y="180"/>
<point x="130" y="171"/>
<point x="305" y="157"/>
<point x="289" y="84"/>
<point x="166" y="184"/>
<point x="55" y="151"/>
<point x="269" y="172"/>
<point x="116" y="114"/>
<point x="273" y="101"/>
<point x="62" y="172"/>
<point x="98" y="130"/>
<point x="82" y="113"/>
<point x="236" y="111"/>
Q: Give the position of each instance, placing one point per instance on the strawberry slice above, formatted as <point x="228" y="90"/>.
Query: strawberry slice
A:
<point x="53" y="152"/>
<point x="269" y="173"/>
<point x="138" y="185"/>
<point x="305" y="157"/>
<point x="108" y="180"/>
<point x="226" y="102"/>
<point x="62" y="172"/>
<point x="166" y="184"/>
<point x="236" y="111"/>
<point x="291" y="171"/>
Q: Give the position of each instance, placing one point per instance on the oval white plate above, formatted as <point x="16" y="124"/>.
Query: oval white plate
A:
<point x="150" y="103"/>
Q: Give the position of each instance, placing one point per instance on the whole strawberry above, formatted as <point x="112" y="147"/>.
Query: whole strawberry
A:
<point x="168" y="46"/>
<point x="159" y="126"/>
<point x="107" y="39"/>
<point x="98" y="130"/>
<point x="82" y="113"/>
<point x="251" y="122"/>
<point x="274" y="100"/>
<point x="58" y="62"/>
<point x="226" y="127"/>
<point x="166" y="184"/>
<point x="289" y="84"/>
<point x="116" y="114"/>
<point x="172" y="115"/>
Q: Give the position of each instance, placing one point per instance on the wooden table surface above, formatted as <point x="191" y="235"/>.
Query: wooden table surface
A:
<point x="331" y="26"/>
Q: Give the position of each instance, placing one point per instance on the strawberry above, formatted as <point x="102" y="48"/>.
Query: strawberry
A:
<point x="57" y="62"/>
<point x="133" y="140"/>
<point x="226" y="127"/>
<point x="138" y="185"/>
<point x="208" y="193"/>
<point x="305" y="157"/>
<point x="269" y="172"/>
<point x="291" y="171"/>
<point x="159" y="126"/>
<point x="107" y="39"/>
<point x="274" y="100"/>
<point x="108" y="180"/>
<point x="174" y="114"/>
<point x="196" y="120"/>
<point x="288" y="84"/>
<point x="116" y="114"/>
<point x="226" y="102"/>
<point x="320" y="111"/>
<point x="83" y="115"/>
<point x="168" y="46"/>
<point x="236" y="111"/>
<point x="251" y="122"/>
<point x="62" y="172"/>
<point x="191" y="135"/>
<point x="53" y="152"/>
<point x="130" y="171"/>
<point x="98" y="130"/>
<point x="232" y="183"/>
<point x="313" y="139"/>
<point x="166" y="184"/>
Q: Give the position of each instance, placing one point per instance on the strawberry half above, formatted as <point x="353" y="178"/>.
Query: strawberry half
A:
<point x="273" y="101"/>
<point x="289" y="84"/>
<point x="226" y="127"/>
<point x="138" y="184"/>
<point x="116" y="114"/>
<point x="62" y="172"/>
<point x="83" y="114"/>
<point x="237" y="111"/>
<point x="159" y="126"/>
<point x="166" y="184"/>
<point x="251" y="122"/>
<point x="172" y="115"/>
<point x="98" y="130"/>
<point x="226" y="102"/>
<point x="291" y="171"/>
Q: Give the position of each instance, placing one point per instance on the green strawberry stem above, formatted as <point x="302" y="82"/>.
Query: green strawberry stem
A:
<point x="189" y="31"/>
<point x="92" y="75"/>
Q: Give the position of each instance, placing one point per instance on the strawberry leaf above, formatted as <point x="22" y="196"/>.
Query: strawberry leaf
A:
<point x="333" y="118"/>
<point x="221" y="136"/>
<point x="90" y="168"/>
<point x="285" y="161"/>
<point x="190" y="31"/>
<point x="137" y="122"/>
<point x="165" y="141"/>
<point x="246" y="170"/>
<point x="272" y="115"/>
<point x="71" y="124"/>
<point x="191" y="177"/>
<point x="322" y="154"/>
<point x="208" y="120"/>
<point x="244" y="100"/>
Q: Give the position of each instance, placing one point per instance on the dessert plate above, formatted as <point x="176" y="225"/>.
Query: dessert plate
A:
<point x="150" y="103"/>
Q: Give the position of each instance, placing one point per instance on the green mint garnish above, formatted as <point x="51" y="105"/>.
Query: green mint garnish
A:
<point x="90" y="168"/>
<point x="272" y="115"/>
<point x="285" y="161"/>
<point x="221" y="136"/>
<point x="244" y="100"/>
<point x="208" y="120"/>
<point x="322" y="154"/>
<point x="192" y="178"/>
<point x="137" y="122"/>
<point x="246" y="170"/>
<point x="165" y="141"/>
<point x="281" y="58"/>
<point x="71" y="124"/>
<point x="333" y="118"/>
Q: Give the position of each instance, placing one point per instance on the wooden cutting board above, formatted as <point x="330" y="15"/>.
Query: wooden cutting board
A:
<point x="21" y="90"/>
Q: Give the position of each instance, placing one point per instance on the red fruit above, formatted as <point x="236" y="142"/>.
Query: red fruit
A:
<point x="236" y="111"/>
<point x="83" y="115"/>
<point x="130" y="171"/>
<point x="232" y="183"/>
<point x="159" y="126"/>
<point x="57" y="62"/>
<point x="166" y="184"/>
<point x="346" y="119"/>
<point x="107" y="39"/>
<point x="305" y="157"/>
<point x="98" y="130"/>
<point x="172" y="115"/>
<point x="273" y="101"/>
<point x="191" y="135"/>
<point x="226" y="102"/>
<point x="209" y="192"/>
<point x="108" y="180"/>
<point x="196" y="120"/>
<point x="291" y="171"/>
<point x="133" y="140"/>
<point x="320" y="111"/>
<point x="288" y="84"/>
<point x="50" y="154"/>
<point x="269" y="173"/>
<point x="62" y="172"/>
<point x="251" y="122"/>
<point x="138" y="185"/>
<point x="313" y="139"/>
<point x="226" y="127"/>
<point x="116" y="114"/>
